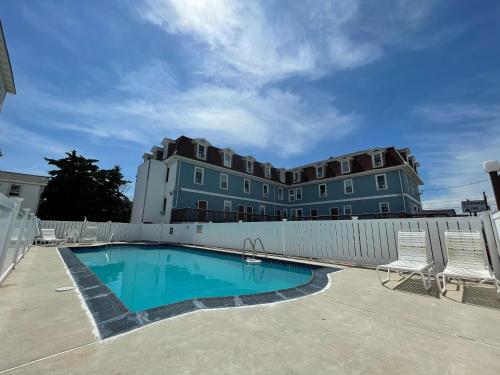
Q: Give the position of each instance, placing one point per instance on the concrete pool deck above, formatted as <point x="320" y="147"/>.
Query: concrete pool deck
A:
<point x="355" y="326"/>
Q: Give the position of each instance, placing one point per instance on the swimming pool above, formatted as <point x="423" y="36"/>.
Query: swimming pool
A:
<point x="127" y="286"/>
<point x="144" y="278"/>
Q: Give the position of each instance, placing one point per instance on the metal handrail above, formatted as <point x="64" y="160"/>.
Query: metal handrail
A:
<point x="252" y="244"/>
<point x="261" y="245"/>
<point x="243" y="247"/>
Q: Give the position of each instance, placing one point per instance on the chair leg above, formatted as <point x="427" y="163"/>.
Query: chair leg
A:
<point x="386" y="279"/>
<point x="427" y="284"/>
<point x="442" y="288"/>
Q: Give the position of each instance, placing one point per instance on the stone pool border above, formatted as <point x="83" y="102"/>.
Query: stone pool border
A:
<point x="112" y="317"/>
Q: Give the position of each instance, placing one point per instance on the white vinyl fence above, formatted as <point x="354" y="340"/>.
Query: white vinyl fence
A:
<point x="17" y="231"/>
<point x="359" y="242"/>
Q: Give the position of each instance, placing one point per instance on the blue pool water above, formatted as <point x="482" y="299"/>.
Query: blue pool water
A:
<point x="145" y="278"/>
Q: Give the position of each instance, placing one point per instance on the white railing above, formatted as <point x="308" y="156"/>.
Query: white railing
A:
<point x="359" y="242"/>
<point x="17" y="232"/>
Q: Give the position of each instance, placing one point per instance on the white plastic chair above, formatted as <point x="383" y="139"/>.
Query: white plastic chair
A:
<point x="89" y="235"/>
<point x="412" y="257"/>
<point x="466" y="259"/>
<point x="71" y="236"/>
<point x="48" y="236"/>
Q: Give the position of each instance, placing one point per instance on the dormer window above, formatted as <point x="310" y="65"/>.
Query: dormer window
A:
<point x="283" y="175"/>
<point x="345" y="166"/>
<point x="227" y="159"/>
<point x="249" y="166"/>
<point x="377" y="160"/>
<point x="201" y="152"/>
<point x="320" y="171"/>
<point x="296" y="176"/>
<point x="267" y="171"/>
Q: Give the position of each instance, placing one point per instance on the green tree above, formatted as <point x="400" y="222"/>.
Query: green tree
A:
<point x="79" y="188"/>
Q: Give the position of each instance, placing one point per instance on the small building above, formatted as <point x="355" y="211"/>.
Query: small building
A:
<point x="27" y="186"/>
<point x="6" y="75"/>
<point x="189" y="180"/>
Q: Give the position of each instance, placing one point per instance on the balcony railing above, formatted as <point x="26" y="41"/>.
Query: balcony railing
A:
<point x="191" y="215"/>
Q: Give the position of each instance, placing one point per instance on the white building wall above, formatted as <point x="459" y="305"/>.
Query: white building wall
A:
<point x="151" y="188"/>
<point x="30" y="193"/>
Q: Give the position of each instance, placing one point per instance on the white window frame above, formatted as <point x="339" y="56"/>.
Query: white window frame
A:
<point x="280" y="193"/>
<point x="202" y="175"/>
<point x="322" y="168"/>
<point x="348" y="170"/>
<point x="249" y="166"/>
<point x="296" y="176"/>
<point x="285" y="212"/>
<point x="198" y="151"/>
<point x="267" y="171"/>
<point x="380" y="207"/>
<point x="249" y="186"/>
<point x="230" y="158"/>
<point x="227" y="181"/>
<point x="230" y="206"/>
<point x="385" y="187"/>
<point x="277" y="212"/>
<point x="319" y="191"/>
<point x="297" y="190"/>
<point x="262" y="208"/>
<point x="291" y="195"/>
<point x="344" y="208"/>
<point x="381" y="159"/>
<point x="345" y="186"/>
<point x="283" y="175"/>
<point x="264" y="194"/>
<point x="311" y="210"/>
<point x="297" y="212"/>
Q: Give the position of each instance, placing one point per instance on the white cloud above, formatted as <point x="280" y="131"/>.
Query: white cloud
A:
<point x="464" y="136"/>
<point x="259" y="42"/>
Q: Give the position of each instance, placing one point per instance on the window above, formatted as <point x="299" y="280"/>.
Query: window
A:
<point x="381" y="182"/>
<point x="228" y="206"/>
<point x="267" y="171"/>
<point x="298" y="194"/>
<point x="227" y="159"/>
<point x="262" y="210"/>
<point x="285" y="212"/>
<point x="280" y="194"/>
<point x="282" y="175"/>
<point x="15" y="190"/>
<point x="246" y="186"/>
<point x="168" y="172"/>
<point x="313" y="213"/>
<point x="347" y="209"/>
<point x="291" y="195"/>
<point x="224" y="181"/>
<point x="384" y="207"/>
<point x="249" y="166"/>
<point x="164" y="208"/>
<point x="348" y="187"/>
<point x="277" y="212"/>
<point x="299" y="212"/>
<point x="334" y="212"/>
<point x="296" y="176"/>
<point x="265" y="190"/>
<point x="201" y="152"/>
<point x="198" y="175"/>
<point x="345" y="166"/>
<point x="320" y="171"/>
<point x="377" y="160"/>
<point x="322" y="190"/>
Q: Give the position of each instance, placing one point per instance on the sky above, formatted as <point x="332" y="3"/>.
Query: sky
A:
<point x="287" y="82"/>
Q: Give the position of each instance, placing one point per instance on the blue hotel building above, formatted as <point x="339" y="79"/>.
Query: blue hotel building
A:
<point x="189" y="180"/>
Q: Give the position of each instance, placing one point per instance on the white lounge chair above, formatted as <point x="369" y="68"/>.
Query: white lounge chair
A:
<point x="89" y="235"/>
<point x="48" y="236"/>
<point x="412" y="257"/>
<point x="71" y="236"/>
<point x="466" y="259"/>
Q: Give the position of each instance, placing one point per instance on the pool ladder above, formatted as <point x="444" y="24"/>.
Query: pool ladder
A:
<point x="253" y="245"/>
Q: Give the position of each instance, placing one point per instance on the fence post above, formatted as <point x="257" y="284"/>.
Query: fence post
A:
<point x="491" y="238"/>
<point x="3" y="253"/>
<point x="22" y="230"/>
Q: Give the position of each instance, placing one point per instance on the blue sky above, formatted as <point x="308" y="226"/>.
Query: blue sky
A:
<point x="287" y="84"/>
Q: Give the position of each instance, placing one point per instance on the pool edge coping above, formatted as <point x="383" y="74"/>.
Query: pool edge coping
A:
<point x="112" y="317"/>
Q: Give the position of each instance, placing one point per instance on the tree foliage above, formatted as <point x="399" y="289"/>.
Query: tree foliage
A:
<point x="79" y="188"/>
